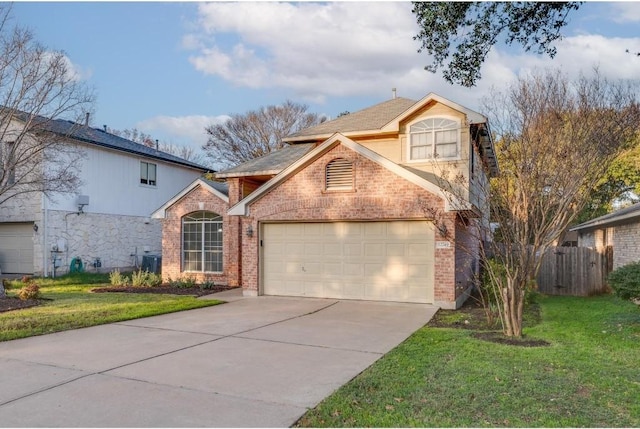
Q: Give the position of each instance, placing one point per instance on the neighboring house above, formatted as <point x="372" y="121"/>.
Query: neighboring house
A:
<point x="109" y="217"/>
<point x="360" y="207"/>
<point x="620" y="230"/>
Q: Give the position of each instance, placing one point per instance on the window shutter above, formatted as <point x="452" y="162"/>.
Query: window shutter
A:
<point x="339" y="175"/>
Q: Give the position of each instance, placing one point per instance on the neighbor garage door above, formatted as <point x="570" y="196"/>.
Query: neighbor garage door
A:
<point x="16" y="248"/>
<point x="382" y="261"/>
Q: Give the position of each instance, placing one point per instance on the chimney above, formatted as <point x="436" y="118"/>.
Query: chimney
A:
<point x="157" y="145"/>
<point x="393" y="93"/>
<point x="105" y="128"/>
<point x="86" y="120"/>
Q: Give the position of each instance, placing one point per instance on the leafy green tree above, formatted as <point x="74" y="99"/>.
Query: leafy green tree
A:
<point x="461" y="34"/>
<point x="621" y="184"/>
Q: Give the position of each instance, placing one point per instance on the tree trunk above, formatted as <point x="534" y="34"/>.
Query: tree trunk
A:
<point x="513" y="304"/>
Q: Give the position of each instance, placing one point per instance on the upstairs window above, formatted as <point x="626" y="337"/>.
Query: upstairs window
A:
<point x="147" y="173"/>
<point x="434" y="138"/>
<point x="339" y="175"/>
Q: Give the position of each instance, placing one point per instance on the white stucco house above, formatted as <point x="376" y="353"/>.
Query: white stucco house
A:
<point x="107" y="221"/>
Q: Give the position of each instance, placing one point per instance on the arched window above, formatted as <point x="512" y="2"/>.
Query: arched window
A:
<point x="339" y="175"/>
<point x="434" y="138"/>
<point x="202" y="242"/>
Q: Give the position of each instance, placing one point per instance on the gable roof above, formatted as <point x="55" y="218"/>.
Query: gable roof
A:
<point x="242" y="207"/>
<point x="101" y="138"/>
<point x="383" y="117"/>
<point x="624" y="215"/>
<point x="269" y="164"/>
<point x="369" y="119"/>
<point x="221" y="190"/>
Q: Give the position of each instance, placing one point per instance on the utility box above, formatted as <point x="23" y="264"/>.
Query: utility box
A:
<point x="152" y="263"/>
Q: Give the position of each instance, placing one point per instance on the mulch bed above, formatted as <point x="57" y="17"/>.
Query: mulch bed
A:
<point x="475" y="320"/>
<point x="12" y="303"/>
<point x="194" y="291"/>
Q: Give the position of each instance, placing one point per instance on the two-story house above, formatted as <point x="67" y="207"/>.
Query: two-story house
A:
<point x="106" y="224"/>
<point x="380" y="204"/>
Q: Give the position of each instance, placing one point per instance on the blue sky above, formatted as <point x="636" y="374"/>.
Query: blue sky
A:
<point x="171" y="68"/>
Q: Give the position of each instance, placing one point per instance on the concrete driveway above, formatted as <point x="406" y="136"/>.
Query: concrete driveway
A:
<point x="254" y="362"/>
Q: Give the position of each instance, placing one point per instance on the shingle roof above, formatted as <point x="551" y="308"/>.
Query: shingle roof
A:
<point x="223" y="188"/>
<point x="371" y="118"/>
<point x="625" y="214"/>
<point x="101" y="138"/>
<point x="270" y="164"/>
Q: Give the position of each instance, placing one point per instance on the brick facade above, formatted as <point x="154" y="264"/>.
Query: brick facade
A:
<point x="378" y="194"/>
<point x="196" y="200"/>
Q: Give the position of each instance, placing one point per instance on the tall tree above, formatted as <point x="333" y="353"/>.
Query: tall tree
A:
<point x="257" y="132"/>
<point x="556" y="139"/>
<point x="37" y="86"/>
<point x="466" y="32"/>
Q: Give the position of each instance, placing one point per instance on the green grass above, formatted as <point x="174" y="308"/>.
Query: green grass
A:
<point x="70" y="304"/>
<point x="588" y="377"/>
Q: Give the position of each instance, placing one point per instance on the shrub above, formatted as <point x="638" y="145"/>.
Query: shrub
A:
<point x="625" y="281"/>
<point x="118" y="279"/>
<point x="209" y="284"/>
<point x="145" y="279"/>
<point x="182" y="282"/>
<point x="139" y="278"/>
<point x="30" y="291"/>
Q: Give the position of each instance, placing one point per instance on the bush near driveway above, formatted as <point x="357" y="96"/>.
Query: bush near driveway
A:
<point x="588" y="376"/>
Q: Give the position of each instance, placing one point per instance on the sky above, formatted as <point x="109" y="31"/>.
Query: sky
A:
<point x="169" y="69"/>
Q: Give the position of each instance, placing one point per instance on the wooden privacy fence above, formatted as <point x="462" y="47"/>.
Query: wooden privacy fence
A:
<point x="576" y="271"/>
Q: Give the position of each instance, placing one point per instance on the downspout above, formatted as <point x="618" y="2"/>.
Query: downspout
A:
<point x="45" y="233"/>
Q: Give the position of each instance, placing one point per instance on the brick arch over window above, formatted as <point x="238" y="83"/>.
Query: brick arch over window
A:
<point x="339" y="175"/>
<point x="202" y="240"/>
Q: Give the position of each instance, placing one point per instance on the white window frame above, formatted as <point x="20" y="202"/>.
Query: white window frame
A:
<point x="145" y="177"/>
<point x="201" y="225"/>
<point x="432" y="132"/>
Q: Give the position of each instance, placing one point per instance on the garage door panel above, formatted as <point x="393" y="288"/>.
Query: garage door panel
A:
<point x="389" y="261"/>
<point x="16" y="248"/>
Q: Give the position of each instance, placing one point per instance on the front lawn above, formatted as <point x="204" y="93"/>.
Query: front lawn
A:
<point x="589" y="375"/>
<point x="70" y="304"/>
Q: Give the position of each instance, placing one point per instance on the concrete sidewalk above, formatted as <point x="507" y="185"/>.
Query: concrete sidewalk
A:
<point x="254" y="362"/>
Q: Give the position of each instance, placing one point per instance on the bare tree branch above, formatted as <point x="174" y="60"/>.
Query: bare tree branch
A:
<point x="257" y="132"/>
<point x="37" y="87"/>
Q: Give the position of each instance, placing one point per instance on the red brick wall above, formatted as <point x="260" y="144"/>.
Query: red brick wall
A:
<point x="378" y="195"/>
<point x="172" y="237"/>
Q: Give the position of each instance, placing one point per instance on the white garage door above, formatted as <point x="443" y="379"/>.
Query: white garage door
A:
<point x="16" y="248"/>
<point x="382" y="261"/>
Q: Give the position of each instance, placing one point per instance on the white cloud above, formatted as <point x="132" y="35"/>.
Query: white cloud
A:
<point x="626" y="12"/>
<point x="342" y="49"/>
<point x="317" y="50"/>
<point x="184" y="130"/>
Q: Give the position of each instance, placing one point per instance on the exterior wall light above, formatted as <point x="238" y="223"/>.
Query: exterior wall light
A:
<point x="249" y="231"/>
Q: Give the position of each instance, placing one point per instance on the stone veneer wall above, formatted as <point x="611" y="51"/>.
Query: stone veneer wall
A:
<point x="378" y="195"/>
<point x="112" y="238"/>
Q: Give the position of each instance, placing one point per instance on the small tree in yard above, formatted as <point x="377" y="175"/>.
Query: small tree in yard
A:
<point x="36" y="86"/>
<point x="555" y="139"/>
